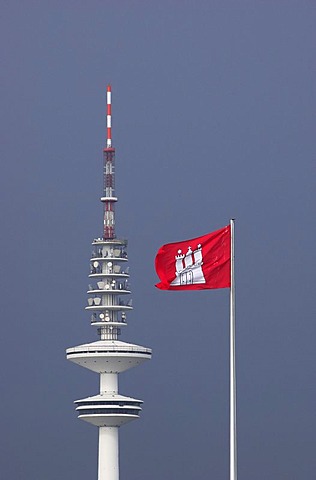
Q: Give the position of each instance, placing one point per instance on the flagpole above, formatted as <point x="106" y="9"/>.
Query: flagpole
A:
<point x="233" y="432"/>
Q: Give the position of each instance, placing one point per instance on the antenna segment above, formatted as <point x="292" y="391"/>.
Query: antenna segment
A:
<point x="108" y="199"/>
<point x="109" y="116"/>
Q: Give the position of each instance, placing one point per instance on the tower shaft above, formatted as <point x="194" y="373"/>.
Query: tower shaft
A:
<point x="108" y="462"/>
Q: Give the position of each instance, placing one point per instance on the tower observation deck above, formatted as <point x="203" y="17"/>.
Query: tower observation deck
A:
<point x="108" y="304"/>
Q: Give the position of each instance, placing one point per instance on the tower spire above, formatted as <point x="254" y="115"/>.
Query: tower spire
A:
<point x="109" y="116"/>
<point x="108" y="199"/>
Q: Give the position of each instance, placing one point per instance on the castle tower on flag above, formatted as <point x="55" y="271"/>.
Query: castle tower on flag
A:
<point x="189" y="267"/>
<point x="108" y="304"/>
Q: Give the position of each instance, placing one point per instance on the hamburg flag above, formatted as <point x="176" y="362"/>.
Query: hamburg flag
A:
<point x="196" y="264"/>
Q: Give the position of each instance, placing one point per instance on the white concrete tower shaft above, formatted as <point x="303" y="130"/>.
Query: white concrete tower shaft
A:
<point x="108" y="465"/>
<point x="107" y="304"/>
<point x="108" y="454"/>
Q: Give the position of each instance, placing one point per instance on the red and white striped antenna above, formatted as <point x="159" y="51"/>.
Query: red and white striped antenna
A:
<point x="109" y="116"/>
<point x="108" y="198"/>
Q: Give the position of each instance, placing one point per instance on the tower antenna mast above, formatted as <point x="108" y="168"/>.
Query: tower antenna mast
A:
<point x="108" y="198"/>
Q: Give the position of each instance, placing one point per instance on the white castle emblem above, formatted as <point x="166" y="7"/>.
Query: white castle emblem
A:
<point x="189" y="267"/>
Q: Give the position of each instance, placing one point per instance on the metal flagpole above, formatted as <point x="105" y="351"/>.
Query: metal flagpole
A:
<point x="233" y="433"/>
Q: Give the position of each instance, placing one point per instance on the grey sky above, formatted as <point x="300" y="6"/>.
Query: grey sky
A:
<point x="214" y="117"/>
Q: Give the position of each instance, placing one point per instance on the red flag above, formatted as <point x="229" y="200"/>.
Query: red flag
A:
<point x="200" y="263"/>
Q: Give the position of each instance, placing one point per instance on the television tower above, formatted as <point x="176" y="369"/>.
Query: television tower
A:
<point x="108" y="356"/>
